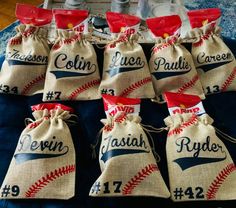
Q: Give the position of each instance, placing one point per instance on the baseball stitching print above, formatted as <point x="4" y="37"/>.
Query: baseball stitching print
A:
<point x="189" y="84"/>
<point x="229" y="80"/>
<point x="119" y="119"/>
<point x="165" y="45"/>
<point x="28" y="32"/>
<point x="83" y="88"/>
<point x="66" y="41"/>
<point x="137" y="179"/>
<point x="219" y="180"/>
<point x="15" y="41"/>
<point x="135" y="86"/>
<point x="188" y="123"/>
<point x="31" y="84"/>
<point x="37" y="123"/>
<point x="50" y="177"/>
<point x="200" y="42"/>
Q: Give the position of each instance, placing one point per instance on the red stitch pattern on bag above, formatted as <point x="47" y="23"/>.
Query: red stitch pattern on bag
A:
<point x="83" y="88"/>
<point x="229" y="80"/>
<point x="36" y="123"/>
<point x="123" y="38"/>
<point x="66" y="41"/>
<point x="188" y="123"/>
<point x="135" y="86"/>
<point x="219" y="180"/>
<point x="189" y="84"/>
<point x="15" y="41"/>
<point x="28" y="32"/>
<point x="159" y="48"/>
<point x="48" y="178"/>
<point x="137" y="179"/>
<point x="165" y="45"/>
<point x="119" y="119"/>
<point x="35" y="81"/>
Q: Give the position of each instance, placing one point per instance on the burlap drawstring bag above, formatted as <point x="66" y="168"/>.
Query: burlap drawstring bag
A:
<point x="171" y="64"/>
<point x="126" y="160"/>
<point x="199" y="165"/>
<point x="125" y="70"/>
<point x="23" y="71"/>
<point x="213" y="59"/>
<point x="43" y="165"/>
<point x="73" y="72"/>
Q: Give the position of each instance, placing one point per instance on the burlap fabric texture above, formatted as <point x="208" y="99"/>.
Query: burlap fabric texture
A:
<point x="128" y="167"/>
<point x="213" y="59"/>
<point x="43" y="165"/>
<point x="23" y="71"/>
<point x="172" y="69"/>
<point x="199" y="165"/>
<point x="72" y="72"/>
<point x="125" y="69"/>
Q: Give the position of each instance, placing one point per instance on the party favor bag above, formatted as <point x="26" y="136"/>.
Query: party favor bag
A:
<point x="73" y="72"/>
<point x="24" y="68"/>
<point x="126" y="159"/>
<point x="199" y="165"/>
<point x="125" y="68"/>
<point x="43" y="165"/>
<point x="215" y="62"/>
<point x="171" y="64"/>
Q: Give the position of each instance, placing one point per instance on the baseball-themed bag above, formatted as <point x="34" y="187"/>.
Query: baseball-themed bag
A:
<point x="23" y="70"/>
<point x="128" y="166"/>
<point x="73" y="72"/>
<point x="43" y="165"/>
<point x="125" y="69"/>
<point x="199" y="165"/>
<point x="171" y="64"/>
<point x="213" y="59"/>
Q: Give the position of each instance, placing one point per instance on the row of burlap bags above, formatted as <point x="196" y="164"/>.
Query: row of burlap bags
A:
<point x="69" y="69"/>
<point x="199" y="164"/>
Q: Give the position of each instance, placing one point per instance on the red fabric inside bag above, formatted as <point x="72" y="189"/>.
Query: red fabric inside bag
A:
<point x="117" y="21"/>
<point x="201" y="17"/>
<point x="28" y="14"/>
<point x="164" y="26"/>
<point x="68" y="19"/>
<point x="51" y="106"/>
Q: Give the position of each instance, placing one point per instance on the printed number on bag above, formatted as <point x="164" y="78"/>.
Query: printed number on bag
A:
<point x="107" y="187"/>
<point x="108" y="91"/>
<point x="10" y="190"/>
<point x="213" y="89"/>
<point x="8" y="89"/>
<point x="189" y="192"/>
<point x="53" y="95"/>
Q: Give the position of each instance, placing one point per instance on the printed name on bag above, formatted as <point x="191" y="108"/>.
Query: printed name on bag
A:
<point x="213" y="61"/>
<point x="185" y="144"/>
<point x="121" y="64"/>
<point x="16" y="58"/>
<point x="164" y="69"/>
<point x="29" y="149"/>
<point x="76" y="67"/>
<point x="122" y="146"/>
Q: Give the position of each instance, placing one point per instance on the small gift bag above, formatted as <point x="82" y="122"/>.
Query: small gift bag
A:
<point x="215" y="62"/>
<point x="24" y="68"/>
<point x="43" y="165"/>
<point x="199" y="165"/>
<point x="73" y="72"/>
<point x="128" y="166"/>
<point x="171" y="64"/>
<point x="125" y="69"/>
